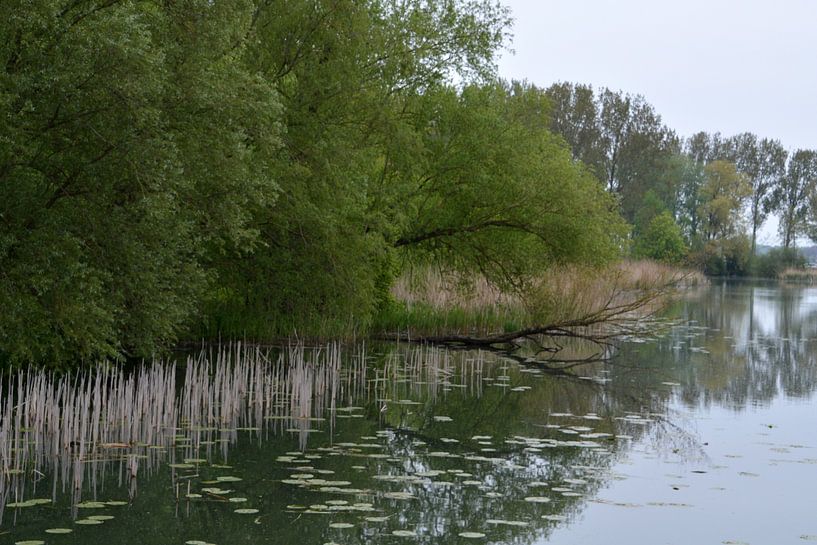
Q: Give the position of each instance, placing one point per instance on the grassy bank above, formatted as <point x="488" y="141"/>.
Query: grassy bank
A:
<point x="797" y="275"/>
<point x="429" y="302"/>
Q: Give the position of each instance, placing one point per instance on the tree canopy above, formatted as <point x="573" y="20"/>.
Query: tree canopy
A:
<point x="186" y="168"/>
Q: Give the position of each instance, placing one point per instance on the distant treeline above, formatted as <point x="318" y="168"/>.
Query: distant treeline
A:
<point x="248" y="168"/>
<point x="702" y="198"/>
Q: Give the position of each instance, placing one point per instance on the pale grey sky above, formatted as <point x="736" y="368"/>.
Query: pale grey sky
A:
<point x="713" y="65"/>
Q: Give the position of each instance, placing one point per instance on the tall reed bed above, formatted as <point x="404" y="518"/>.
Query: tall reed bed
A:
<point x="434" y="303"/>
<point x="794" y="275"/>
<point x="76" y="428"/>
<point x="67" y="434"/>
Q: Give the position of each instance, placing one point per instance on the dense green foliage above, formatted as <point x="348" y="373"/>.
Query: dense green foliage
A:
<point x="662" y="240"/>
<point x="126" y="159"/>
<point x="774" y="262"/>
<point x="249" y="168"/>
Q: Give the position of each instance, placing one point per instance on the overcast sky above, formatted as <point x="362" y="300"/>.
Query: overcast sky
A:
<point x="714" y="65"/>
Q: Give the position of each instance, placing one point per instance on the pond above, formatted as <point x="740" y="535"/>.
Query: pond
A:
<point x="706" y="434"/>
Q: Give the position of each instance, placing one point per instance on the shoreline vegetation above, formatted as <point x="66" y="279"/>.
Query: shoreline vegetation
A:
<point x="242" y="170"/>
<point x="565" y="316"/>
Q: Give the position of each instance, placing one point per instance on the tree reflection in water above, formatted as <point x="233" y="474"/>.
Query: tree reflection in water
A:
<point x="385" y="437"/>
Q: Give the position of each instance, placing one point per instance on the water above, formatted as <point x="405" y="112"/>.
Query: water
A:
<point x="705" y="435"/>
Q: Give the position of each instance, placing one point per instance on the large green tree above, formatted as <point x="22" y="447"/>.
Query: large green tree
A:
<point x="619" y="136"/>
<point x="722" y="198"/>
<point x="763" y="162"/>
<point x="350" y="75"/>
<point x="132" y="144"/>
<point x="499" y="192"/>
<point x="793" y="195"/>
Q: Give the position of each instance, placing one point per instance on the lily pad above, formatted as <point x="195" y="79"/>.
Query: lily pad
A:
<point x="29" y="503"/>
<point x="216" y="491"/>
<point x="507" y="522"/>
<point x="471" y="535"/>
<point x="555" y="518"/>
<point x="91" y="505"/>
<point x="246" y="511"/>
<point x="398" y="495"/>
<point x="59" y="531"/>
<point x="537" y="499"/>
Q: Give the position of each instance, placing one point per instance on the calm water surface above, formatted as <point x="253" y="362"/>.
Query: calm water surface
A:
<point x="705" y="435"/>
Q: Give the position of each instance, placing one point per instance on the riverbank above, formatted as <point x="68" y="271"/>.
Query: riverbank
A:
<point x="431" y="302"/>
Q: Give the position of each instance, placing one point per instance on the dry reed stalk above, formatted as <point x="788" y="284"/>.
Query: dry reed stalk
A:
<point x="82" y="426"/>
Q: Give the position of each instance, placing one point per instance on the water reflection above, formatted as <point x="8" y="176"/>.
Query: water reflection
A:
<point x="437" y="442"/>
<point x="739" y="344"/>
<point x="371" y="443"/>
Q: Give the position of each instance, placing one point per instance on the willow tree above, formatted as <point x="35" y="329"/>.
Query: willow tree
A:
<point x="349" y="74"/>
<point x="132" y="139"/>
<point x="498" y="192"/>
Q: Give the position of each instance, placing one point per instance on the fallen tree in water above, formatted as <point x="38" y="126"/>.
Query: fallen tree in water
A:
<point x="568" y="316"/>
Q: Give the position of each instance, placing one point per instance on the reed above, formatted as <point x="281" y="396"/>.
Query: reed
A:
<point x="434" y="303"/>
<point x="796" y="275"/>
<point x="78" y="428"/>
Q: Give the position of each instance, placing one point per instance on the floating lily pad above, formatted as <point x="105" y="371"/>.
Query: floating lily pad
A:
<point x="471" y="535"/>
<point x="555" y="518"/>
<point x="507" y="522"/>
<point x="238" y="500"/>
<point x="398" y="495"/>
<point x="101" y="517"/>
<point x="404" y="533"/>
<point x="87" y="522"/>
<point x="59" y="531"/>
<point x="537" y="499"/>
<point x="228" y="479"/>
<point x="29" y="503"/>
<point x="246" y="511"/>
<point x="91" y="505"/>
<point x="216" y="491"/>
<point x="30" y="542"/>
<point x="341" y="525"/>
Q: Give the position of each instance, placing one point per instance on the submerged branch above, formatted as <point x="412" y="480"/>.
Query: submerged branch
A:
<point x="596" y="310"/>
